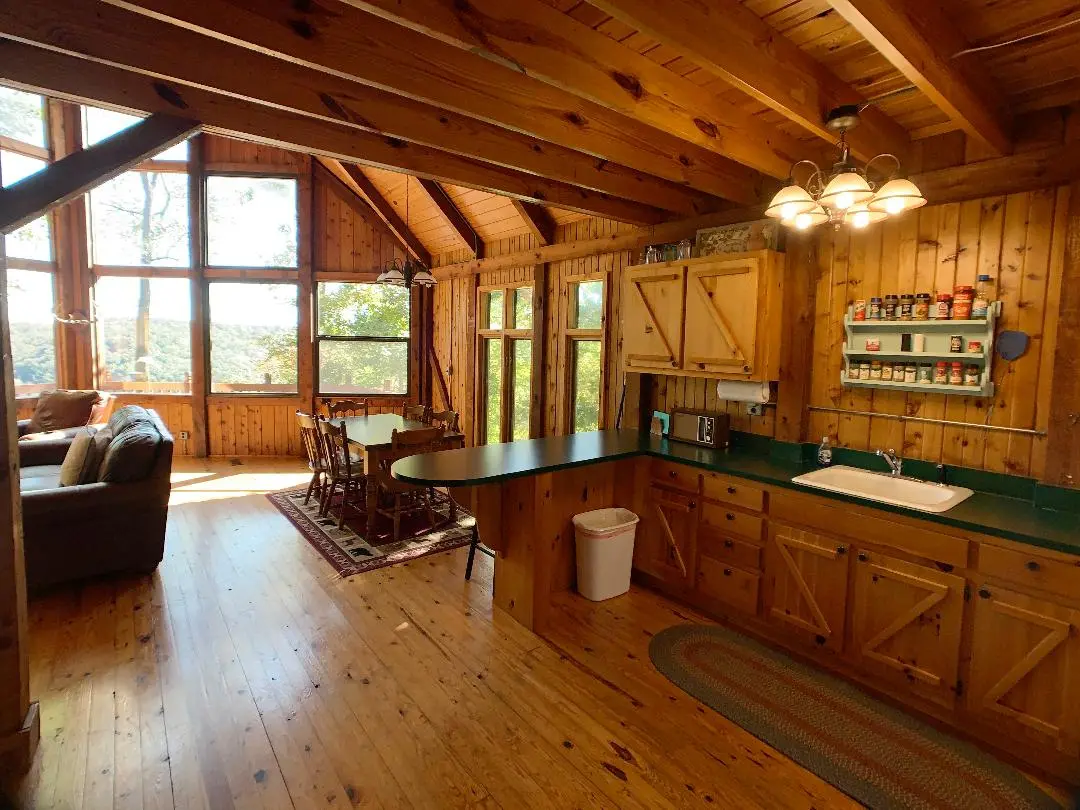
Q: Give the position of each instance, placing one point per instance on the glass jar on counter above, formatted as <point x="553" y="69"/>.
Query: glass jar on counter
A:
<point x="921" y="311"/>
<point x="905" y="308"/>
<point x="892" y="302"/>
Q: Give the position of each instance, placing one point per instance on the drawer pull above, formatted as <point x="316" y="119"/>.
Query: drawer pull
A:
<point x="731" y="490"/>
<point x="1032" y="565"/>
<point x="673" y="473"/>
<point x="864" y="557"/>
<point x="841" y="550"/>
<point x="729" y="516"/>
<point x="693" y="504"/>
<point x="727" y="572"/>
<point x="729" y="544"/>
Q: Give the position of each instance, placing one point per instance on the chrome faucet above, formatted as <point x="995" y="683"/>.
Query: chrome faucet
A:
<point x="894" y="461"/>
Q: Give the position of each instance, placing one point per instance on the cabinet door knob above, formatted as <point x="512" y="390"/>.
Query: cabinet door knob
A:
<point x="672" y="473"/>
<point x="729" y="516"/>
<point x="692" y="505"/>
<point x="727" y="572"/>
<point x="864" y="557"/>
<point x="984" y="593"/>
<point x="731" y="490"/>
<point x="1032" y="565"/>
<point x="729" y="544"/>
<point x="841" y="550"/>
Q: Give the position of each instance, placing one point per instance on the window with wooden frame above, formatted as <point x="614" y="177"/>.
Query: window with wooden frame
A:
<point x="505" y="363"/>
<point x="30" y="255"/>
<point x="254" y="333"/>
<point x="585" y="322"/>
<point x="251" y="221"/>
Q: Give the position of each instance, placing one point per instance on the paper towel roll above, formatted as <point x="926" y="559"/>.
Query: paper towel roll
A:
<point x="743" y="391"/>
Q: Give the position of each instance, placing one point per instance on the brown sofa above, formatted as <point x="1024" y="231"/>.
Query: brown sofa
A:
<point x="62" y="423"/>
<point x="105" y="527"/>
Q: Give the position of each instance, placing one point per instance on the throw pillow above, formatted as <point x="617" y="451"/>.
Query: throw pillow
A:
<point x="131" y="455"/>
<point x="77" y="458"/>
<point x="102" y="439"/>
<point x="57" y="410"/>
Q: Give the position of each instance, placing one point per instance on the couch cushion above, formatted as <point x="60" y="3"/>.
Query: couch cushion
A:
<point x="46" y="476"/>
<point x="79" y="461"/>
<point x="131" y="454"/>
<point x="57" y="410"/>
<point x="127" y="417"/>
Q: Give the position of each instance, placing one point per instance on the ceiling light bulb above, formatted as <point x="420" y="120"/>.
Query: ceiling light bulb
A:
<point x="845" y="200"/>
<point x="803" y="221"/>
<point x="861" y="219"/>
<point x="894" y="205"/>
<point x="788" y="210"/>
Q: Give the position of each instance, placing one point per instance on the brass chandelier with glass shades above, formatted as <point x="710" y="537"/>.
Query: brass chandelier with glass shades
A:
<point x="846" y="195"/>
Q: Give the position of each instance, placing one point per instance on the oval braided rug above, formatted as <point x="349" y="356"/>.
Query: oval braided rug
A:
<point x="876" y="754"/>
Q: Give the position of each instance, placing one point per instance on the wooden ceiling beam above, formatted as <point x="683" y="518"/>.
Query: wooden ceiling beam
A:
<point x="52" y="73"/>
<point x="336" y="38"/>
<point x="79" y="172"/>
<point x="461" y="226"/>
<point x="360" y="184"/>
<point x="920" y="41"/>
<point x="730" y="40"/>
<point x="537" y="220"/>
<point x="555" y="48"/>
<point x="146" y="45"/>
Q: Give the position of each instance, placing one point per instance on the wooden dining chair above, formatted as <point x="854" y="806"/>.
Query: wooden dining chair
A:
<point x="316" y="457"/>
<point x="418" y="413"/>
<point x="344" y="469"/>
<point x="406" y="498"/>
<point x="447" y="420"/>
<point x="346" y="407"/>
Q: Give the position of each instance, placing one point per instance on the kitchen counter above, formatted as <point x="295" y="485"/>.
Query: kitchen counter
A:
<point x="985" y="513"/>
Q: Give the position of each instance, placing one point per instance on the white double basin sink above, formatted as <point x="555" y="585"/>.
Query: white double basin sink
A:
<point x="884" y="488"/>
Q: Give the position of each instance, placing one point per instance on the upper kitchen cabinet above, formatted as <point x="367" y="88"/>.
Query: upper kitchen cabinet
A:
<point x="717" y="316"/>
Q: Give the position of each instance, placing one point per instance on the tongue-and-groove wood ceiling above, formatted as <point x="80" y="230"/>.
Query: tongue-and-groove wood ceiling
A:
<point x="636" y="110"/>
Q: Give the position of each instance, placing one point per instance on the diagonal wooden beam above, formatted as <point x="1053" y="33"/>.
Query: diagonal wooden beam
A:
<point x="150" y="46"/>
<point x="537" y="220"/>
<point x="81" y="171"/>
<point x="52" y="73"/>
<point x="555" y="48"/>
<point x="335" y="38"/>
<point x="728" y="39"/>
<point x="460" y="225"/>
<point x="359" y="183"/>
<point x="920" y="41"/>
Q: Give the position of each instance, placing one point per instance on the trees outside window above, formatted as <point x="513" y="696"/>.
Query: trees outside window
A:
<point x="251" y="221"/>
<point x="32" y="241"/>
<point x="253" y="337"/>
<point x="505" y="363"/>
<point x="33" y="330"/>
<point x="141" y="219"/>
<point x="585" y="369"/>
<point x="362" y="340"/>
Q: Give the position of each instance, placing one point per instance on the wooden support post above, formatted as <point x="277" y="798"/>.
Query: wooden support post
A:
<point x="200" y="305"/>
<point x="81" y="171"/>
<point x="19" y="722"/>
<point x="796" y="350"/>
<point x="1063" y="439"/>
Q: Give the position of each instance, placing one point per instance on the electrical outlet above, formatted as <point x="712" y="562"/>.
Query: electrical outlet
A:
<point x="184" y="435"/>
<point x="755" y="409"/>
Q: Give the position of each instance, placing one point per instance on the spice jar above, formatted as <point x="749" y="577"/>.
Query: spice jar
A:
<point x="864" y="371"/>
<point x="956" y="343"/>
<point x="910" y="373"/>
<point x="963" y="296"/>
<point x="860" y="310"/>
<point x="886" y="372"/>
<point x="904" y="311"/>
<point x="921" y="312"/>
<point x="944" y="306"/>
<point x="892" y="302"/>
<point x="971" y="375"/>
<point x="925" y="373"/>
<point x="874" y="313"/>
<point x="873" y="344"/>
<point x="875" y="369"/>
<point x="956" y="374"/>
<point x="974" y="347"/>
<point x="941" y="373"/>
<point x="980" y="308"/>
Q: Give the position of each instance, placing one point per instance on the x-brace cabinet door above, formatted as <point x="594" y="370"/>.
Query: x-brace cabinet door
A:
<point x="652" y="321"/>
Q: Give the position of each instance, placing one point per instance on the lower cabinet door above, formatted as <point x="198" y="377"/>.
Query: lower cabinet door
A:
<point x="1025" y="666"/>
<point x="806" y="584"/>
<point x="906" y="624"/>
<point x="665" y="547"/>
<point x="723" y="582"/>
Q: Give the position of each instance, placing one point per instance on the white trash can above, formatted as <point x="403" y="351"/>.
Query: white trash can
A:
<point x="605" y="552"/>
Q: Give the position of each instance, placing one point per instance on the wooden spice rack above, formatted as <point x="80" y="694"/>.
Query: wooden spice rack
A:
<point x="938" y="333"/>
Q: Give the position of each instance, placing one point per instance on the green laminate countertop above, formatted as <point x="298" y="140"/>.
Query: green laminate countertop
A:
<point x="986" y="513"/>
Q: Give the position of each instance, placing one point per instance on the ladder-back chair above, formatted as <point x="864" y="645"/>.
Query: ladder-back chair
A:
<point x="344" y="468"/>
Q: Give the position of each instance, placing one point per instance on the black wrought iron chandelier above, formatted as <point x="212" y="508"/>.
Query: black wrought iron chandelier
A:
<point x="408" y="273"/>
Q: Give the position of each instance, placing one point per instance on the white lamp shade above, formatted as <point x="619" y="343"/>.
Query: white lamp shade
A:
<point x="392" y="275"/>
<point x="423" y="278"/>
<point x="806" y="220"/>
<point x="789" y="201"/>
<point x="845" y="190"/>
<point x="896" y="196"/>
<point x="859" y="216"/>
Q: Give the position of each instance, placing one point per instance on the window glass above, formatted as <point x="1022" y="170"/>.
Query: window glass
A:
<point x="253" y="331"/>
<point x="144" y="334"/>
<point x="586" y="392"/>
<point x="363" y="367"/>
<point x="251" y="221"/>
<point x="141" y="219"/>
<point x="22" y="116"/>
<point x="492" y="391"/>
<point x="521" y="389"/>
<point x="31" y="241"/>
<point x="33" y="333"/>
<point x="493" y="310"/>
<point x="588" y="305"/>
<point x="363" y="310"/>
<point x="101" y="124"/>
<point x="523" y="308"/>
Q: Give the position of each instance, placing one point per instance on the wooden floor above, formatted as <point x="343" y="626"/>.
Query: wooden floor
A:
<point x="246" y="674"/>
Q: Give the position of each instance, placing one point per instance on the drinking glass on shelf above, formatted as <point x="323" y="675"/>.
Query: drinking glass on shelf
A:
<point x="686" y="247"/>
<point x="652" y="255"/>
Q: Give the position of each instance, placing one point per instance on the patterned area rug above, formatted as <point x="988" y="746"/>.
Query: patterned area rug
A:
<point x="876" y="754"/>
<point x="351" y="553"/>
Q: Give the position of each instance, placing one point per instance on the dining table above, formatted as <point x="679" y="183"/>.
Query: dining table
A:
<point x="371" y="436"/>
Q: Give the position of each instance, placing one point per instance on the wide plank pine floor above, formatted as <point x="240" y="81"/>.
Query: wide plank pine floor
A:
<point x="246" y="674"/>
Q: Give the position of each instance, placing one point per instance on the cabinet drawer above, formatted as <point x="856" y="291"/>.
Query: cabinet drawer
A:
<point x="1031" y="570"/>
<point x="674" y="475"/>
<point x="731" y="521"/>
<point x="717" y="545"/>
<point x="727" y="584"/>
<point x="733" y="490"/>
